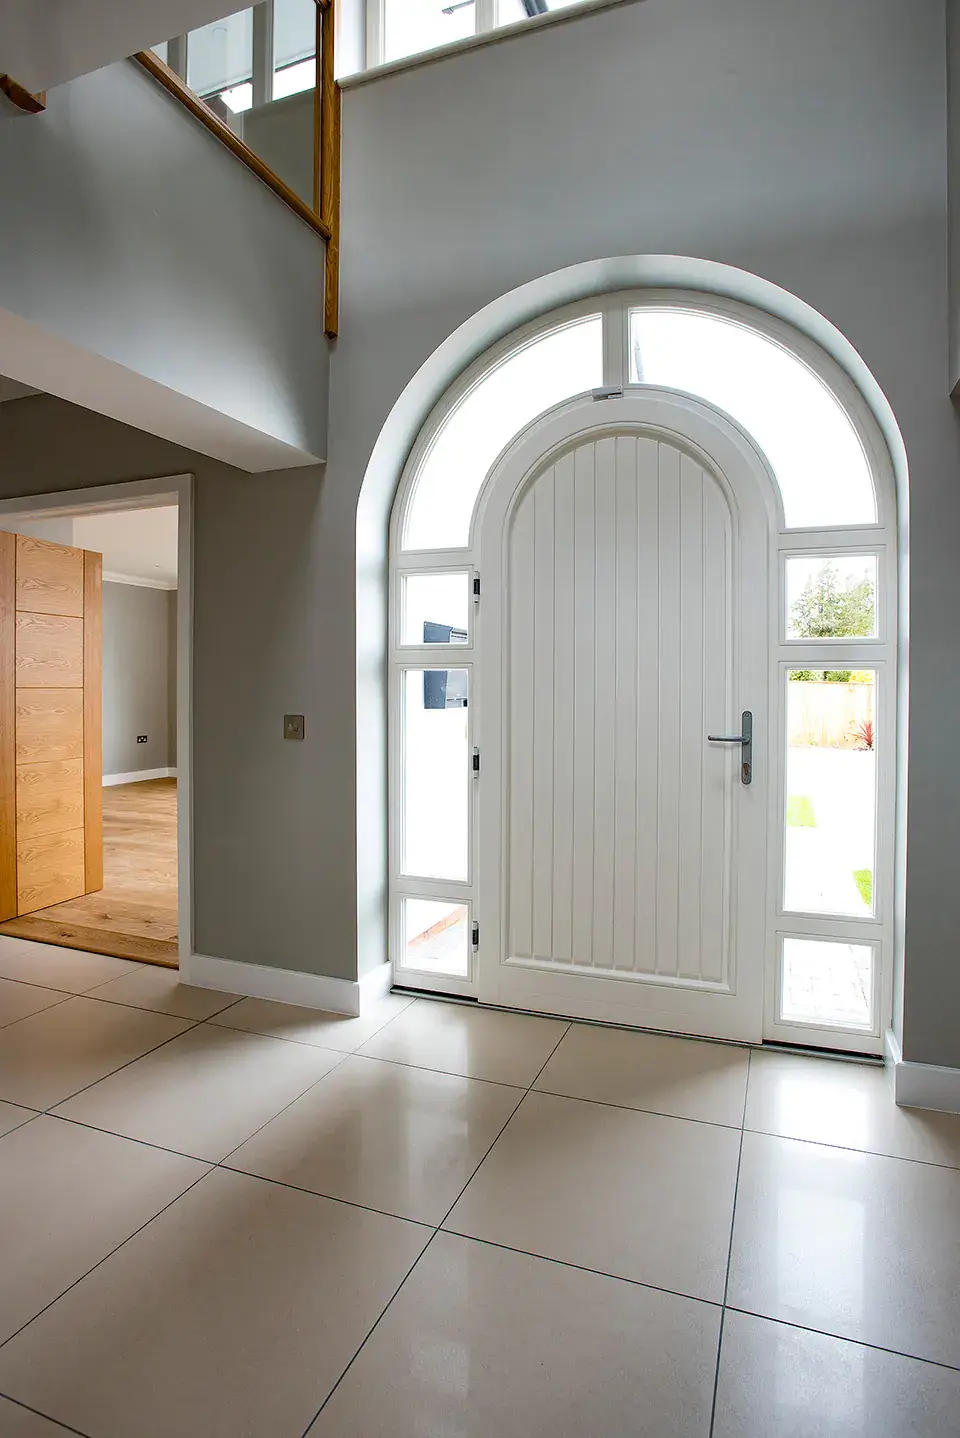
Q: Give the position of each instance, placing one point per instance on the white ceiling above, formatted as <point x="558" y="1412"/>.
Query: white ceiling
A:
<point x="136" y="544"/>
<point x="45" y="42"/>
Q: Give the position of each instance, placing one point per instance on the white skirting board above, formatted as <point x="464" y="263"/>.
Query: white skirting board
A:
<point x="286" y="986"/>
<point x="920" y="1085"/>
<point x="137" y="776"/>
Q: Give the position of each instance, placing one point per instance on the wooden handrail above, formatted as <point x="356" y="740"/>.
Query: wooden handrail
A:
<point x="172" y="82"/>
<point x="329" y="166"/>
<point x="23" y="99"/>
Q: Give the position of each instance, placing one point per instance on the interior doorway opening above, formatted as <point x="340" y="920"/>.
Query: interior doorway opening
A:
<point x="825" y="716"/>
<point x="140" y="908"/>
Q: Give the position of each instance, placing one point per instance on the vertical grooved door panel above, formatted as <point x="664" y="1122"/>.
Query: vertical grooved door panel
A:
<point x="619" y="660"/>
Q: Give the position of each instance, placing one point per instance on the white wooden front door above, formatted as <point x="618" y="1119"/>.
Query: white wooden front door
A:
<point x="624" y="550"/>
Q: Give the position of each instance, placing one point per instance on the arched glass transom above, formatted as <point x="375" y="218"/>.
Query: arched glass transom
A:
<point x="812" y="447"/>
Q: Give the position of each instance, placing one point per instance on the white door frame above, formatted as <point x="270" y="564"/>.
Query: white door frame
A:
<point x="149" y="494"/>
<point x="724" y="450"/>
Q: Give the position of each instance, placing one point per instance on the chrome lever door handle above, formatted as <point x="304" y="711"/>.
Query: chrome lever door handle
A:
<point x="745" y="740"/>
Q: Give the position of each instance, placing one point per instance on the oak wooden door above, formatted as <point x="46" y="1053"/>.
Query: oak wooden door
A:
<point x="51" y="824"/>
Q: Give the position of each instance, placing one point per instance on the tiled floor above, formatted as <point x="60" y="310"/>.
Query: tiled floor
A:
<point x="241" y="1220"/>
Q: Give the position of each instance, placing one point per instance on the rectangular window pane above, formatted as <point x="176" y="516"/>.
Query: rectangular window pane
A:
<point x="831" y="792"/>
<point x="220" y="55"/>
<point x="435" y="937"/>
<point x="832" y="597"/>
<point x="414" y="25"/>
<point x="436" y="608"/>
<point x="435" y="776"/>
<point x="827" y="983"/>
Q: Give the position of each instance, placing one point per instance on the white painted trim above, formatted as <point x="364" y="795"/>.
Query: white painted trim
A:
<point x="377" y="67"/>
<point x="929" y="1086"/>
<point x="287" y="986"/>
<point x="135" y="579"/>
<point x="147" y="494"/>
<point x="138" y="776"/>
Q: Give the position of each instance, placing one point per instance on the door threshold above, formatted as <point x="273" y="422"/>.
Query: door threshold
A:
<point x="852" y="1056"/>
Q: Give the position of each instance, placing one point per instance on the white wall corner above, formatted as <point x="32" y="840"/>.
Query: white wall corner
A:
<point x="286" y="986"/>
<point x="920" y="1085"/>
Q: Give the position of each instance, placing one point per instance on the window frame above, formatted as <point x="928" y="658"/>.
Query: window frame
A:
<point x="878" y="653"/>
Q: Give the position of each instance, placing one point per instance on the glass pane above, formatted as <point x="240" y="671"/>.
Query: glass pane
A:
<point x="295" y="78"/>
<point x="435" y="773"/>
<point x="294" y="31"/>
<point x="414" y="25"/>
<point x="510" y="11"/>
<point x="435" y="937"/>
<point x="220" y="55"/>
<point x="831" y="792"/>
<point x="832" y="598"/>
<point x="801" y="427"/>
<point x="436" y="609"/>
<point x="827" y="983"/>
<point x="162" y="50"/>
<point x="562" y="363"/>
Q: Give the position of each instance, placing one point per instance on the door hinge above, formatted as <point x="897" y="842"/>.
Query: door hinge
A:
<point x="476" y="760"/>
<point x="475" y="936"/>
<point x="608" y="391"/>
<point x="476" y="585"/>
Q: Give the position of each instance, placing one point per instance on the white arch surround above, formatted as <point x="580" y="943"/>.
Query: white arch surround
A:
<point x="596" y="285"/>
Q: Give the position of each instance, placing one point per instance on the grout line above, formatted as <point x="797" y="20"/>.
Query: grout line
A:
<point x="327" y="1197"/>
<point x="849" y="1148"/>
<point x="211" y="1163"/>
<point x="726" y="1281"/>
<point x="369" y="1335"/>
<point x="843" y="1338"/>
<point x="259" y="1129"/>
<point x="582" y="1268"/>
<point x="120" y="1067"/>
<point x="116" y="1249"/>
<point x="503" y="1127"/>
<point x="67" y="1428"/>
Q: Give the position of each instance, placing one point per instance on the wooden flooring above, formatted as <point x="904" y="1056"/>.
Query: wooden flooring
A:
<point x="134" y="916"/>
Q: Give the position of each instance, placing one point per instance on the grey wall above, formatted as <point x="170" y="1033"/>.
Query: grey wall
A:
<point x="129" y="232"/>
<point x="805" y="143"/>
<point x="953" y="160"/>
<point x="136" y="678"/>
<point x="281" y="133"/>
<point x="58" y="531"/>
<point x="268" y="886"/>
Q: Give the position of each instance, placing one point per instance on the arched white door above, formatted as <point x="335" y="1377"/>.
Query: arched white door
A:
<point x="624" y="545"/>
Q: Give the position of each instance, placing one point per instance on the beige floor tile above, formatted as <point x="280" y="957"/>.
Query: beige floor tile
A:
<point x="234" y="1312"/>
<point x="680" y="1077"/>
<point x="54" y="968"/>
<point x="847" y="1105"/>
<point x="482" y="1343"/>
<point x="17" y="1422"/>
<point x="633" y="1194"/>
<point x="400" y="1139"/>
<point x="782" y="1382"/>
<point x="68" y="1195"/>
<point x="203" y="1094"/>
<point x="18" y="1000"/>
<point x="153" y="987"/>
<point x="312" y="1026"/>
<point x="51" y="1055"/>
<point x="12" y="1117"/>
<point x="857" y="1245"/>
<point x="477" y="1043"/>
